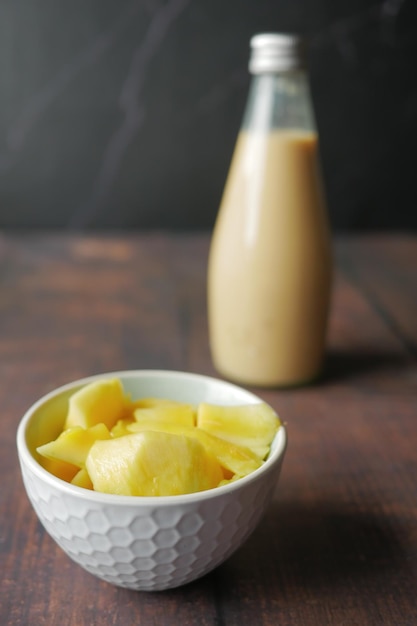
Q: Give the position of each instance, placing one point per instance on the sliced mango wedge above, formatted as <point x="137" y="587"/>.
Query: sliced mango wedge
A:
<point x="73" y="445"/>
<point x="102" y="401"/>
<point x="82" y="479"/>
<point x="236" y="459"/>
<point x="121" y="427"/>
<point x="152" y="464"/>
<point x="60" y="469"/>
<point x="175" y="413"/>
<point x="252" y="426"/>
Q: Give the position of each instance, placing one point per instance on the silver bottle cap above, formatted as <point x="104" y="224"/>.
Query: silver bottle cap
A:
<point x="276" y="52"/>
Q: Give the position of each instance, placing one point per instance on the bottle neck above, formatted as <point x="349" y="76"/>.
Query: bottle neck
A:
<point x="279" y="101"/>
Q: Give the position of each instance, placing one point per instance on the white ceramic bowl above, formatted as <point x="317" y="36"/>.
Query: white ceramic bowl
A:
<point x="145" y="543"/>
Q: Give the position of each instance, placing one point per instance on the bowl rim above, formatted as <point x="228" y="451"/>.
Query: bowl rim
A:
<point x="27" y="458"/>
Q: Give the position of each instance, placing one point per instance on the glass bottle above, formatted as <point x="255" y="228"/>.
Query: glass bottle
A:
<point x="269" y="271"/>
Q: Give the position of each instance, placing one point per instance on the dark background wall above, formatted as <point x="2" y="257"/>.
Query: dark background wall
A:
<point x="124" y="113"/>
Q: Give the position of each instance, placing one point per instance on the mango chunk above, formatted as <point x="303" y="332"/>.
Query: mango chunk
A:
<point x="232" y="458"/>
<point x="175" y="413"/>
<point x="102" y="401"/>
<point x="82" y="479"/>
<point x="252" y="426"/>
<point x="121" y="427"/>
<point x="73" y="444"/>
<point x="152" y="463"/>
<point x="152" y="402"/>
<point x="60" y="469"/>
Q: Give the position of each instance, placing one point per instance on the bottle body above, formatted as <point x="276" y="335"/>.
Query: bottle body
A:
<point x="269" y="273"/>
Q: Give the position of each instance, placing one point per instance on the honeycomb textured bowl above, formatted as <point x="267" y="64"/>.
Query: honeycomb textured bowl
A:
<point x="145" y="543"/>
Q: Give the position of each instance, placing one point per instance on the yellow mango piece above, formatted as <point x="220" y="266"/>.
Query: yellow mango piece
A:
<point x="151" y="402"/>
<point x="82" y="479"/>
<point x="229" y="479"/>
<point x="235" y="459"/>
<point x="175" y="413"/>
<point x="121" y="427"/>
<point x="60" y="469"/>
<point x="252" y="426"/>
<point x="73" y="444"/>
<point x="102" y="401"/>
<point x="152" y="463"/>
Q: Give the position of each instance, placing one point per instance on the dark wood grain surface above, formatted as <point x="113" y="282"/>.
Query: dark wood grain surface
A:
<point x="339" y="543"/>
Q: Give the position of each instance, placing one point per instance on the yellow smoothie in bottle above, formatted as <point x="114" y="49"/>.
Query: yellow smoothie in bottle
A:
<point x="269" y="272"/>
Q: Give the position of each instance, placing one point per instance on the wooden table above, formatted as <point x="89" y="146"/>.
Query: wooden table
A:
<point x="339" y="543"/>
